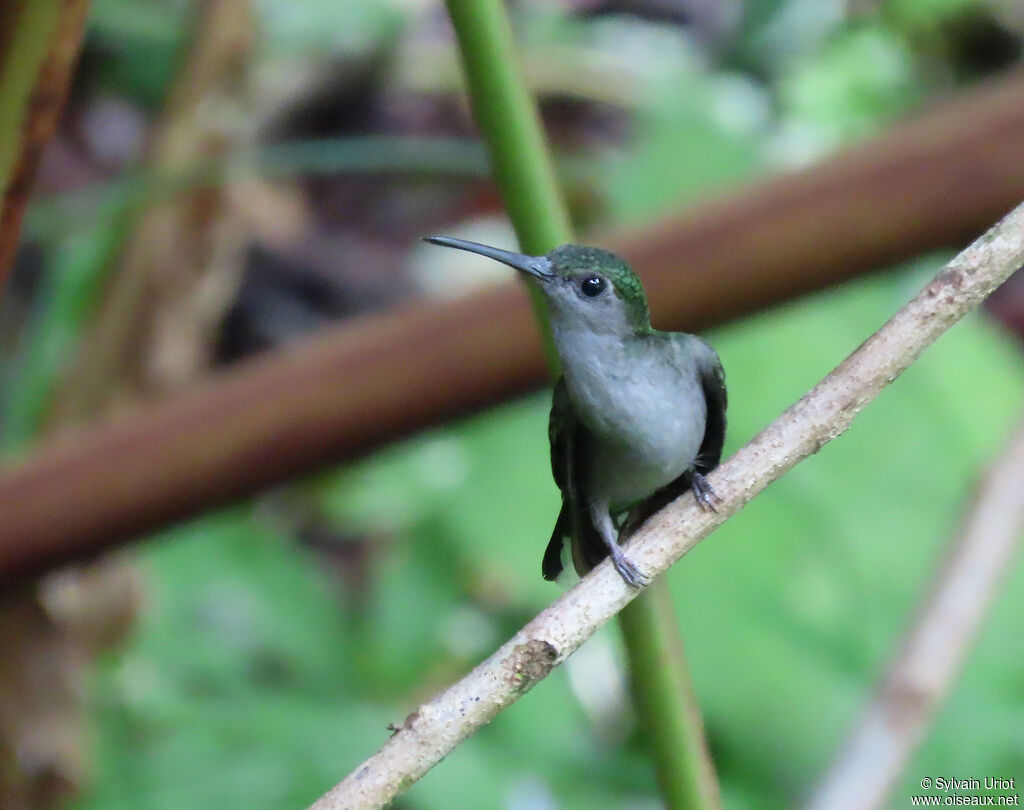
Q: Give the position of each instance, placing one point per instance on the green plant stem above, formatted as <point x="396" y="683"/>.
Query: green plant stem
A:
<point x="67" y="299"/>
<point x="665" y="702"/>
<point x="508" y="119"/>
<point x="507" y="116"/>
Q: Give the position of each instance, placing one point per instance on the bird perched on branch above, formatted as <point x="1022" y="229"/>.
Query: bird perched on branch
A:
<point x="638" y="415"/>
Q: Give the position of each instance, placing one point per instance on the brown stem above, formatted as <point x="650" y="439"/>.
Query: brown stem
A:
<point x="38" y="119"/>
<point x="932" y="182"/>
<point x="919" y="187"/>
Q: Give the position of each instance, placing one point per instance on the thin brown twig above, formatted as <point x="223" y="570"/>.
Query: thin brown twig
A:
<point x="931" y="655"/>
<point x="439" y="725"/>
<point x="44" y="105"/>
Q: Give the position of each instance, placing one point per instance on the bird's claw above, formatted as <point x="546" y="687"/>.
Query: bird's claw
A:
<point x="629" y="572"/>
<point x="704" y="493"/>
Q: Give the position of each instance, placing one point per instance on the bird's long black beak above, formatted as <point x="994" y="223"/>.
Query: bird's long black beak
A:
<point x="537" y="266"/>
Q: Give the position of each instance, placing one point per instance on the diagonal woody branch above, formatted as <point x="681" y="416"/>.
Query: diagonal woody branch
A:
<point x="820" y="416"/>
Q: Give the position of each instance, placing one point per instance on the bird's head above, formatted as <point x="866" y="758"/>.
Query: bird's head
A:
<point x="585" y="287"/>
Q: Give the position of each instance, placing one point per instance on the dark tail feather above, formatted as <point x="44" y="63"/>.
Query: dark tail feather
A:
<point x="587" y="548"/>
<point x="551" y="566"/>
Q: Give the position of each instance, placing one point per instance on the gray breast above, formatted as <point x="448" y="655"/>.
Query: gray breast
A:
<point x="645" y="413"/>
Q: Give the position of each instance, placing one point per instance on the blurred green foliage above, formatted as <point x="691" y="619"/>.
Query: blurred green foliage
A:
<point x="142" y="37"/>
<point x="67" y="298"/>
<point x="261" y="673"/>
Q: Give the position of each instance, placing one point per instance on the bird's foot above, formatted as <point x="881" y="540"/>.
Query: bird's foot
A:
<point x="629" y="572"/>
<point x="707" y="498"/>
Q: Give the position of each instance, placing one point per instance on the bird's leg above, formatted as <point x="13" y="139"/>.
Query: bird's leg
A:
<point x="707" y="498"/>
<point x="602" y="520"/>
<point x="634" y="519"/>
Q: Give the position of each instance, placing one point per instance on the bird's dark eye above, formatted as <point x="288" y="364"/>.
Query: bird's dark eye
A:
<point x="593" y="286"/>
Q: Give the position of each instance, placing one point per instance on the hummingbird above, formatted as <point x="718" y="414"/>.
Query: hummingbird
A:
<point x="637" y="415"/>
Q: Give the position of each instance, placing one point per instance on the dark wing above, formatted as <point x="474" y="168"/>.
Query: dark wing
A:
<point x="568" y="443"/>
<point x="712" y="380"/>
<point x="561" y="433"/>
